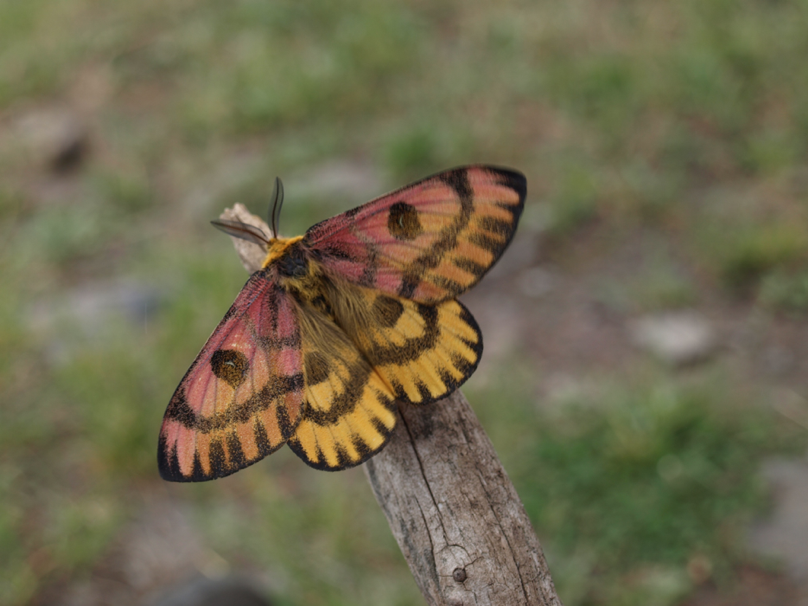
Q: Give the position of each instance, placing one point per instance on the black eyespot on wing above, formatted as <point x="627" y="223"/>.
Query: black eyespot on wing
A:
<point x="387" y="310"/>
<point x="230" y="366"/>
<point x="403" y="222"/>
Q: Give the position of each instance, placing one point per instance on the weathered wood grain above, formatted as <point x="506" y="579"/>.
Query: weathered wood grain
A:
<point x="455" y="512"/>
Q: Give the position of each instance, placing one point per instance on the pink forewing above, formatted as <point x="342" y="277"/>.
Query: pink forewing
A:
<point x="242" y="397"/>
<point x="429" y="241"/>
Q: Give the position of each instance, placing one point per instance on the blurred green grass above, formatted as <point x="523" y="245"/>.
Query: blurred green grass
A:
<point x="630" y="482"/>
<point x="689" y="118"/>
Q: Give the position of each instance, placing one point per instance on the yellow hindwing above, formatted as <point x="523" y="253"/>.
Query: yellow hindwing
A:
<point x="364" y="350"/>
<point x="421" y="352"/>
<point x="349" y="411"/>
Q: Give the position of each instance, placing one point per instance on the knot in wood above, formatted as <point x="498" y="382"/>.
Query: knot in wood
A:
<point x="459" y="574"/>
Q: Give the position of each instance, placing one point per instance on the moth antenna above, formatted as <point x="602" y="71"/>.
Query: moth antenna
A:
<point x="275" y="207"/>
<point x="242" y="230"/>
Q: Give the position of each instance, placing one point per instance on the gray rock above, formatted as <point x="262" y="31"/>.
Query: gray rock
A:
<point x="784" y="534"/>
<point x="200" y="591"/>
<point x="91" y="313"/>
<point x="678" y="338"/>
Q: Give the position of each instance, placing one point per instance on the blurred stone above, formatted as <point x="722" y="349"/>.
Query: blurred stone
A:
<point x="228" y="591"/>
<point x="54" y="137"/>
<point x="784" y="534"/>
<point x="678" y="338"/>
<point x="91" y="312"/>
<point x="92" y="305"/>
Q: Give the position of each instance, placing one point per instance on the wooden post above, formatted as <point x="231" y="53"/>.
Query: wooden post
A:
<point x="450" y="504"/>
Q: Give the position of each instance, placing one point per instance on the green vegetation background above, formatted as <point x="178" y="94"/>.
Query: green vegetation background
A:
<point x="689" y="118"/>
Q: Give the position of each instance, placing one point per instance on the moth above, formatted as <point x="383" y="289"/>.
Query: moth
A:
<point x="341" y="324"/>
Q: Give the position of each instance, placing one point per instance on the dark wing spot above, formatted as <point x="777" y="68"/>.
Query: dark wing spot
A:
<point x="167" y="461"/>
<point x="343" y="402"/>
<point x="408" y="285"/>
<point x="362" y="449"/>
<point x="261" y="438"/>
<point x="237" y="458"/>
<point x="380" y="427"/>
<point x="387" y="310"/>
<point x="218" y="462"/>
<point x="472" y="267"/>
<point x="497" y="226"/>
<point x="316" y="366"/>
<point x="403" y="221"/>
<point x="398" y="391"/>
<point x="178" y="410"/>
<point x="423" y="391"/>
<point x="448" y="379"/>
<point x="412" y="349"/>
<point x="458" y="180"/>
<point x="446" y="283"/>
<point x="197" y="475"/>
<point x="512" y="180"/>
<point x="463" y="365"/>
<point x="285" y="423"/>
<point x="343" y="459"/>
<point x="230" y="366"/>
<point x="492" y="245"/>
